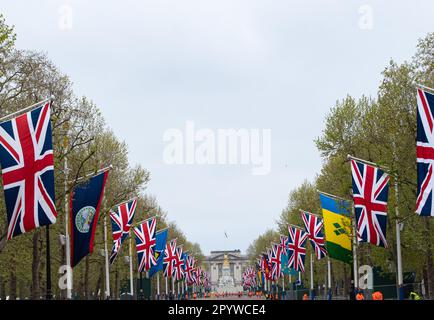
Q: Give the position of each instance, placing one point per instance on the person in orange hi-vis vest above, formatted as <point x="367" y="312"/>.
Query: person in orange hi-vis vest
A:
<point x="360" y="296"/>
<point x="377" y="295"/>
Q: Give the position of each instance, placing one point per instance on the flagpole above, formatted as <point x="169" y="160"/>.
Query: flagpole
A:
<point x="290" y="284"/>
<point x="424" y="87"/>
<point x="131" y="268"/>
<point x="173" y="286"/>
<point x="107" y="274"/>
<point x="332" y="195"/>
<point x="49" y="295"/>
<point x="355" y="251"/>
<point x="398" y="244"/>
<point x="299" y="281"/>
<point x="350" y="157"/>
<point x="26" y="109"/>
<point x="69" y="271"/>
<point x="311" y="277"/>
<point x="167" y="287"/>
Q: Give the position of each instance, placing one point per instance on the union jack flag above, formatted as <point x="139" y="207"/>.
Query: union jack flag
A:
<point x="189" y="269"/>
<point x="26" y="157"/>
<point x="206" y="280"/>
<point x="145" y="243"/>
<point x="425" y="153"/>
<point x="296" y="248"/>
<point x="178" y="266"/>
<point x="314" y="225"/>
<point x="276" y="262"/>
<point x="121" y="221"/>
<point x="249" y="278"/>
<point x="370" y="193"/>
<point x="169" y="258"/>
<point x="252" y="275"/>
<point x="199" y="276"/>
<point x="284" y="244"/>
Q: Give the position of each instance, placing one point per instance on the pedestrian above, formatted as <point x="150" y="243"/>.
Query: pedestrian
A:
<point x="377" y="295"/>
<point x="415" y="296"/>
<point x="305" y="297"/>
<point x="360" y="296"/>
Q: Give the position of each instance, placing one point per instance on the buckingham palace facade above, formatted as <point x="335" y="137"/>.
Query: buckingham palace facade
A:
<point x="218" y="261"/>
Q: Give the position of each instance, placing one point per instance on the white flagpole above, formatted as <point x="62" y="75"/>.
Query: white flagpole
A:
<point x="173" y="285"/>
<point x="398" y="244"/>
<point x="131" y="269"/>
<point x="355" y="271"/>
<point x="167" y="287"/>
<point x="26" y="109"/>
<point x="107" y="273"/>
<point x="67" y="239"/>
<point x="311" y="276"/>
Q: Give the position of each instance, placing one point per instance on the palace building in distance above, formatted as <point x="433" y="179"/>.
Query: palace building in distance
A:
<point x="226" y="269"/>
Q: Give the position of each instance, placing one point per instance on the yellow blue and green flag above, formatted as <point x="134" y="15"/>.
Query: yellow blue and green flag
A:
<point x="337" y="225"/>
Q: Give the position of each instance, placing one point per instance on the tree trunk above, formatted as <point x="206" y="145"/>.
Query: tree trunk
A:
<point x="21" y="293"/>
<point x="2" y="289"/>
<point x="36" y="261"/>
<point x="86" y="278"/>
<point x="13" y="285"/>
<point x="98" y="290"/>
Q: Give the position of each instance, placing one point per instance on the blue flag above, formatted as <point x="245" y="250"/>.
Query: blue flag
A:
<point x="85" y="204"/>
<point x="160" y="245"/>
<point x="285" y="269"/>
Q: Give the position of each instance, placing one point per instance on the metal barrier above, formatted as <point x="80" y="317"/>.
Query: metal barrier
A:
<point x="390" y="292"/>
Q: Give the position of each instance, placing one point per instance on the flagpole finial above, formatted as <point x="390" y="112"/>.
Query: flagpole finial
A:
<point x="52" y="97"/>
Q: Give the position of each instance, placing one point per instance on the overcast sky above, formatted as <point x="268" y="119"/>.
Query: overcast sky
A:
<point x="153" y="65"/>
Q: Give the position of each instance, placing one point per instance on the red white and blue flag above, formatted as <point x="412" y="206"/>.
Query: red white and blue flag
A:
<point x="169" y="258"/>
<point x="284" y="244"/>
<point x="145" y="243"/>
<point x="370" y="194"/>
<point x="199" y="275"/>
<point x="26" y="157"/>
<point x="296" y="248"/>
<point x="425" y="153"/>
<point x="276" y="261"/>
<point x="178" y="267"/>
<point x="189" y="269"/>
<point x="249" y="278"/>
<point x="121" y="220"/>
<point x="314" y="225"/>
